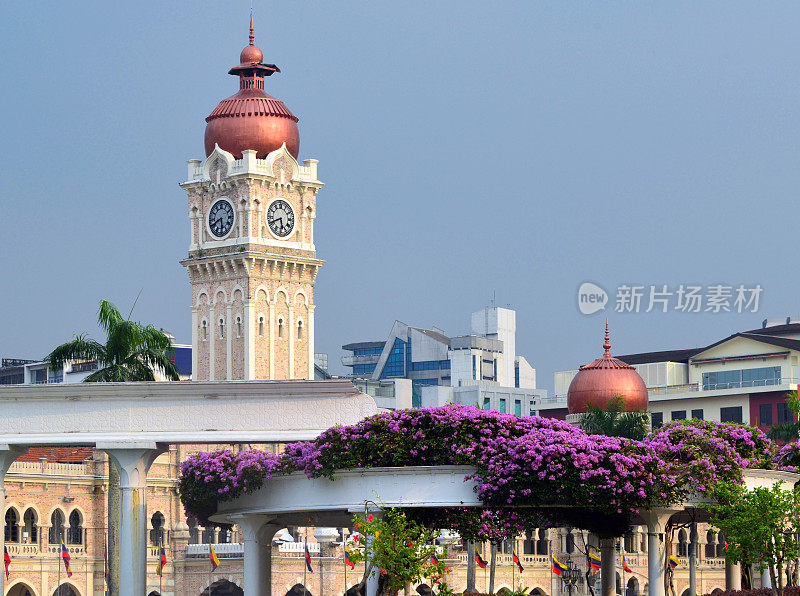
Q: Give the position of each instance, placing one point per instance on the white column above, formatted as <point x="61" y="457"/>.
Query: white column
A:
<point x="229" y="340"/>
<point x="257" y="534"/>
<point x="249" y="339"/>
<point x="292" y="332"/>
<point x="133" y="460"/>
<point x="195" y="343"/>
<point x="271" y="341"/>
<point x="656" y="520"/>
<point x="608" y="567"/>
<point x="8" y="453"/>
<point x="733" y="575"/>
<point x="766" y="580"/>
<point x="310" y="339"/>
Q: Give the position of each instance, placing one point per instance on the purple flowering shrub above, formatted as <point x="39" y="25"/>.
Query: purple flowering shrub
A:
<point x="530" y="471"/>
<point x="788" y="457"/>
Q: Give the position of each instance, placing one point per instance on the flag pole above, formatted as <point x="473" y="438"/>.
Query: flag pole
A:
<point x="209" y="566"/>
<point x="58" y="587"/>
<point x="344" y="560"/>
<point x="513" y="550"/>
<point x="305" y="566"/>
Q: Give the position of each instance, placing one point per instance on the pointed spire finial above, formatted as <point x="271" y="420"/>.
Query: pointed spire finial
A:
<point x="252" y="36"/>
<point x="607" y="344"/>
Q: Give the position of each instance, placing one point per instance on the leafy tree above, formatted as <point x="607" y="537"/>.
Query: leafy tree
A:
<point x="132" y="352"/>
<point x="400" y="548"/>
<point x="788" y="431"/>
<point x="760" y="526"/>
<point x="615" y="421"/>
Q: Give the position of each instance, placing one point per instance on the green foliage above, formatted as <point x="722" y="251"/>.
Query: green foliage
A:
<point x="132" y="352"/>
<point x="788" y="431"/>
<point x="760" y="526"/>
<point x="615" y="421"/>
<point x="400" y="548"/>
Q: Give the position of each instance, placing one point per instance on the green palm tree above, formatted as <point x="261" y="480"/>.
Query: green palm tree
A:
<point x="615" y="421"/>
<point x="132" y="352"/>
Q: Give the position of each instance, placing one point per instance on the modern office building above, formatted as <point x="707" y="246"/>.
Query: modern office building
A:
<point x="740" y="378"/>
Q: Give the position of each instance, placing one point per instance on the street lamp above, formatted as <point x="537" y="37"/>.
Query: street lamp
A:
<point x="570" y="575"/>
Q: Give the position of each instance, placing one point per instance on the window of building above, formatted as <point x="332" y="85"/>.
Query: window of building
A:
<point x="56" y="533"/>
<point x="628" y="542"/>
<point x="431" y="365"/>
<point x="222" y="328"/>
<point x="261" y="326"/>
<point x="731" y="414"/>
<point x="657" y="419"/>
<point x="204" y="330"/>
<point x="31" y="529"/>
<point x="299" y="330"/>
<point x="529" y="544"/>
<point x="698" y="414"/>
<point x="157" y="533"/>
<point x="75" y="530"/>
<point x="784" y="413"/>
<point x="425" y="382"/>
<point x="542" y="543"/>
<point x="517" y="407"/>
<point x="516" y="376"/>
<point x="363" y="369"/>
<point x="679" y="414"/>
<point x="194" y="531"/>
<point x="487" y="403"/>
<point x="502" y="407"/>
<point x="721" y="542"/>
<point x="11" y="532"/>
<point x="474" y="366"/>
<point x="396" y="362"/>
<point x="238" y="326"/>
<point x="570" y="543"/>
<point x="748" y="377"/>
<point x="209" y="535"/>
<point x="280" y="328"/>
<point x="765" y="415"/>
<point x="711" y="547"/>
<point x="683" y="544"/>
<point x="368" y="351"/>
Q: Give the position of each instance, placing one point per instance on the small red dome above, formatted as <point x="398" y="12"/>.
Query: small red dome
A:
<point x="252" y="119"/>
<point x="596" y="383"/>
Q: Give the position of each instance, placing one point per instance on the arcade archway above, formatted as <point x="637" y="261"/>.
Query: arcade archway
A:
<point x="21" y="589"/>
<point x="65" y="590"/>
<point x="223" y="587"/>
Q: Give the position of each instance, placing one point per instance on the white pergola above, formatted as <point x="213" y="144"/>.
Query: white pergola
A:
<point x="135" y="422"/>
<point x="295" y="500"/>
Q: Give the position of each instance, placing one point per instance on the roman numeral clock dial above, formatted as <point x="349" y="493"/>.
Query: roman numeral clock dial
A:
<point x="280" y="218"/>
<point x="220" y="218"/>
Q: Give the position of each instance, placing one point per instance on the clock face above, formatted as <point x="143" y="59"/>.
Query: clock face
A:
<point x="280" y="218"/>
<point x="220" y="218"/>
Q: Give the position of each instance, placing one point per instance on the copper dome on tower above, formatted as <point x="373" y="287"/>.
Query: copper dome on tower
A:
<point x="252" y="119"/>
<point x="597" y="382"/>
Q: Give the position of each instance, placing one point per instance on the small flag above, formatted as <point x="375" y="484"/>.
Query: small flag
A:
<point x="105" y="563"/>
<point x="479" y="560"/>
<point x="308" y="560"/>
<point x="515" y="558"/>
<point x="347" y="560"/>
<point x="558" y="567"/>
<point x="213" y="556"/>
<point x="162" y="559"/>
<point x="593" y="561"/>
<point x="6" y="559"/>
<point x="434" y="560"/>
<point x="625" y="567"/>
<point x="674" y="561"/>
<point x="65" y="556"/>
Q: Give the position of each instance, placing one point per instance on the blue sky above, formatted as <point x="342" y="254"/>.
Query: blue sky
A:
<point x="468" y="150"/>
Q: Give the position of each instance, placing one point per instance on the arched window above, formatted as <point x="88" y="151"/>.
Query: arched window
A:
<point x="299" y="329"/>
<point x="75" y="531"/>
<point x="683" y="545"/>
<point x="56" y="533"/>
<point x="204" y="330"/>
<point x="629" y="542"/>
<point x="261" y="326"/>
<point x="721" y="542"/>
<point x="711" y="545"/>
<point x="280" y="327"/>
<point x="221" y="328"/>
<point x="12" y="529"/>
<point x="157" y="533"/>
<point x="542" y="545"/>
<point x="30" y="526"/>
<point x="238" y="326"/>
<point x="209" y="536"/>
<point x="529" y="544"/>
<point x="570" y="543"/>
<point x="194" y="531"/>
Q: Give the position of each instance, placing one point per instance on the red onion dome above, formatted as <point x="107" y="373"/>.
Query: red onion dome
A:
<point x="597" y="382"/>
<point x="252" y="119"/>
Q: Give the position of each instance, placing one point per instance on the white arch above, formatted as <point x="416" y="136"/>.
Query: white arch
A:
<point x="276" y="155"/>
<point x="233" y="292"/>
<point x="69" y="582"/>
<point x="202" y="295"/>
<point x="217" y="292"/>
<point x="263" y="288"/>
<point x="217" y="152"/>
<point x="35" y="510"/>
<point x="24" y="581"/>
<point x="80" y="511"/>
<point x="300" y="292"/>
<point x="282" y="289"/>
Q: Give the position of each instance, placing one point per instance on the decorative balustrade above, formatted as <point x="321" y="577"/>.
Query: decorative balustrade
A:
<point x="233" y="549"/>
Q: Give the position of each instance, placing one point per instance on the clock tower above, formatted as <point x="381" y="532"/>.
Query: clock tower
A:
<point x="252" y="262"/>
